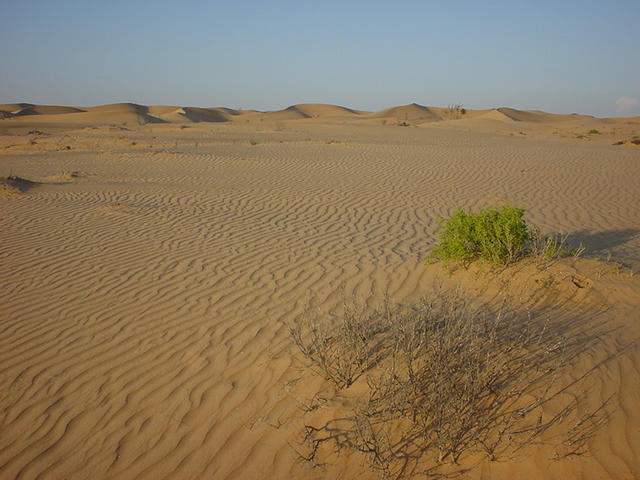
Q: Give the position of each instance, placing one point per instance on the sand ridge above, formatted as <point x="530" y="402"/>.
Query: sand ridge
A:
<point x="25" y="117"/>
<point x="146" y="292"/>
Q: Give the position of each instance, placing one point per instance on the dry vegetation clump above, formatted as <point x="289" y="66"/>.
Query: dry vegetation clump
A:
<point x="444" y="380"/>
<point x="341" y="349"/>
<point x="545" y="249"/>
<point x="454" y="111"/>
<point x="13" y="186"/>
<point x="635" y="140"/>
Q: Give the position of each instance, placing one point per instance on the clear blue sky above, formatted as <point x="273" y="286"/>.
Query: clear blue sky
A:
<point x="558" y="56"/>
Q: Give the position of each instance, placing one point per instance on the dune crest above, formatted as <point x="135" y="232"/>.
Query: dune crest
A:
<point x="413" y="113"/>
<point x="132" y="114"/>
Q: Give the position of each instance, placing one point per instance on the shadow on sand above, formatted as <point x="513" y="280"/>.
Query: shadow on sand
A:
<point x="603" y="242"/>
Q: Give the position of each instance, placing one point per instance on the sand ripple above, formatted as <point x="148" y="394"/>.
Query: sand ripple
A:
<point x="143" y="310"/>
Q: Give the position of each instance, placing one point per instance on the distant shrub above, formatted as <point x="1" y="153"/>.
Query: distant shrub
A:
<point x="594" y="131"/>
<point x="498" y="236"/>
<point x="454" y="111"/>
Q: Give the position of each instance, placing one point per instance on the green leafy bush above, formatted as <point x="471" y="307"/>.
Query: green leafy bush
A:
<point x="498" y="236"/>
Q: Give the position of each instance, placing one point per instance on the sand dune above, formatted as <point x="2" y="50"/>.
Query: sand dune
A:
<point x="206" y="115"/>
<point x="121" y="113"/>
<point x="189" y="114"/>
<point x="146" y="292"/>
<point x="130" y="114"/>
<point x="496" y="114"/>
<point x="311" y="110"/>
<point x="523" y="115"/>
<point x="159" y="110"/>
<point x="17" y="110"/>
<point x="289" y="113"/>
<point x="411" y="113"/>
<point x="28" y="109"/>
<point x="625" y="120"/>
<point x="21" y="109"/>
<point x="13" y="107"/>
<point x="537" y="116"/>
<point x="319" y="110"/>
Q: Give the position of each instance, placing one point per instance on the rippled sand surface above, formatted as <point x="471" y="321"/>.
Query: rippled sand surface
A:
<point x="148" y="274"/>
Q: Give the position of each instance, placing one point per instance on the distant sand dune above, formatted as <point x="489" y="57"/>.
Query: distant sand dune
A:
<point x="522" y="115"/>
<point x="13" y="107"/>
<point x="289" y="113"/>
<point x="205" y="115"/>
<point x="25" y="114"/>
<point x="28" y="109"/>
<point x="627" y="120"/>
<point x="122" y="113"/>
<point x="537" y="116"/>
<point x="497" y="114"/>
<point x="319" y="110"/>
<point x="189" y="114"/>
<point x="22" y="109"/>
<point x="412" y="113"/>
<point x="47" y="110"/>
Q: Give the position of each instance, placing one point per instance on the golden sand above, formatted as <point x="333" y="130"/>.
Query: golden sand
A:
<point x="149" y="272"/>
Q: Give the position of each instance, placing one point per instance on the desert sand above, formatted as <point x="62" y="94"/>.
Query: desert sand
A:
<point x="152" y="259"/>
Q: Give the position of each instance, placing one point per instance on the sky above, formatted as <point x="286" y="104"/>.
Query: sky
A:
<point x="557" y="56"/>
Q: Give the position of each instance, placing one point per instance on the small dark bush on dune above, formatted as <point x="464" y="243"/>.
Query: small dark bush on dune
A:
<point x="13" y="185"/>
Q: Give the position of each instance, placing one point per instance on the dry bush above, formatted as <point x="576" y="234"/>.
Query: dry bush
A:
<point x="454" y="111"/>
<point x="444" y="379"/>
<point x="341" y="349"/>
<point x="545" y="249"/>
<point x="14" y="185"/>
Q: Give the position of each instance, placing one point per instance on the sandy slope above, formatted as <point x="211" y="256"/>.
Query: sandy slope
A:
<point x="145" y="296"/>
<point x="413" y="113"/>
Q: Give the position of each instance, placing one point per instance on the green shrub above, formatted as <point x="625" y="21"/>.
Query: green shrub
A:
<point x="498" y="236"/>
<point x="593" y="131"/>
